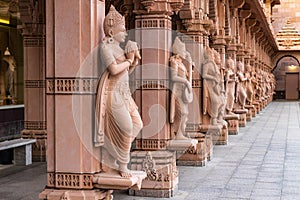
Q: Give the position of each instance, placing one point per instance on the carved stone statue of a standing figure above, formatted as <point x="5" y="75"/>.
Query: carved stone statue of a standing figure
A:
<point x="10" y="75"/>
<point x="117" y="117"/>
<point x="241" y="90"/>
<point x="249" y="85"/>
<point x="222" y="98"/>
<point x="182" y="93"/>
<point x="212" y="101"/>
<point x="230" y="79"/>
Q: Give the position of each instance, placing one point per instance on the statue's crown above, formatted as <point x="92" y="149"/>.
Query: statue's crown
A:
<point x="113" y="18"/>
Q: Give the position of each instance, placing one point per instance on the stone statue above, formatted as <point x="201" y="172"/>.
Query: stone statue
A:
<point x="241" y="91"/>
<point x="182" y="93"/>
<point x="259" y="90"/>
<point x="117" y="117"/>
<point x="222" y="98"/>
<point x="230" y="79"/>
<point x="268" y="86"/>
<point x="249" y="85"/>
<point x="212" y="88"/>
<point x="10" y="75"/>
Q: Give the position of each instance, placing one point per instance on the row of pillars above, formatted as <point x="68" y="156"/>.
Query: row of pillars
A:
<point x="59" y="109"/>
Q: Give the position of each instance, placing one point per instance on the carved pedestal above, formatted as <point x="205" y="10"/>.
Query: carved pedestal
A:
<point x="194" y="156"/>
<point x="219" y="133"/>
<point x="254" y="111"/>
<point x="249" y="114"/>
<point x="161" y="170"/>
<point x="257" y="107"/>
<point x="242" y="116"/>
<point x="109" y="181"/>
<point x="233" y="124"/>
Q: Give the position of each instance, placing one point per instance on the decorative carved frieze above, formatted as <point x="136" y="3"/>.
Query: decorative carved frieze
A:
<point x="34" y="41"/>
<point x="153" y="23"/>
<point x="150" y="144"/>
<point x="148" y="84"/>
<point x="70" y="181"/>
<point x="35" y="125"/>
<point x="71" y="86"/>
<point x="34" y="84"/>
<point x="51" y="179"/>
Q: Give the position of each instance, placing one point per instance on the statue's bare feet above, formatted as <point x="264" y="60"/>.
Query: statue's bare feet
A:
<point x="124" y="171"/>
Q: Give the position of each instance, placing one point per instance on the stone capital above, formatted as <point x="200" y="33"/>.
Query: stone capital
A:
<point x="158" y="7"/>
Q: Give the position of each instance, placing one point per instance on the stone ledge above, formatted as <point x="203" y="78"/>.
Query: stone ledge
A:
<point x="116" y="182"/>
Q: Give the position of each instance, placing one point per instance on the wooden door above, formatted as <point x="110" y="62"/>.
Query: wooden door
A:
<point x="292" y="86"/>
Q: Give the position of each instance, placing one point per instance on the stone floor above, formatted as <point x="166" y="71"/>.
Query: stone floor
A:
<point x="262" y="162"/>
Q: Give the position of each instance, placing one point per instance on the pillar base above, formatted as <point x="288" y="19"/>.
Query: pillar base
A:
<point x="257" y="107"/>
<point x="249" y="114"/>
<point x="56" y="194"/>
<point x="115" y="181"/>
<point x="218" y="132"/>
<point x="193" y="157"/>
<point x="233" y="123"/>
<point x="161" y="170"/>
<point x="243" y="116"/>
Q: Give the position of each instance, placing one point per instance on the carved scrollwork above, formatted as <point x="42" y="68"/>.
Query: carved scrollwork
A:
<point x="149" y="167"/>
<point x="191" y="150"/>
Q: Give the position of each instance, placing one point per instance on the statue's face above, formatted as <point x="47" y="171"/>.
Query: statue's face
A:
<point x="119" y="33"/>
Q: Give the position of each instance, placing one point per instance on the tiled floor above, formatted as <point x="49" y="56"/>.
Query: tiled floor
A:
<point x="262" y="162"/>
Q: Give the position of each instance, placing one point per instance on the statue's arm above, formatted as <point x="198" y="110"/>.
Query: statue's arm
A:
<point x="174" y="74"/>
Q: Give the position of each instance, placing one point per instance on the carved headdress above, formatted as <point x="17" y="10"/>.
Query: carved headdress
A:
<point x="112" y="19"/>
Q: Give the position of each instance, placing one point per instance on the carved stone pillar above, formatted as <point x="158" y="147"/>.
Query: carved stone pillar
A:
<point x="195" y="24"/>
<point x="71" y="79"/>
<point x="153" y="32"/>
<point x="243" y="15"/>
<point x="32" y="14"/>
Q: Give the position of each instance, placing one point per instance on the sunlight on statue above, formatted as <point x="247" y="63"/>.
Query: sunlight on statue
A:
<point x="117" y="117"/>
<point x="213" y="97"/>
<point x="182" y="93"/>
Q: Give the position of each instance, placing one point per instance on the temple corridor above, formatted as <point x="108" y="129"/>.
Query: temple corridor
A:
<point x="261" y="162"/>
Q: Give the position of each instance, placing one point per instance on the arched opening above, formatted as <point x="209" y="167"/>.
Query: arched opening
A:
<point x="286" y="73"/>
